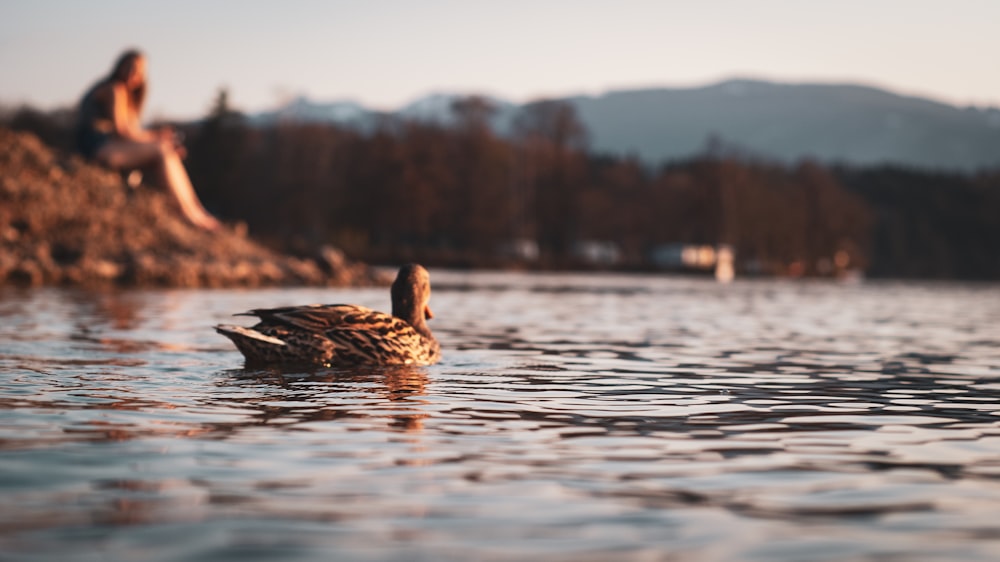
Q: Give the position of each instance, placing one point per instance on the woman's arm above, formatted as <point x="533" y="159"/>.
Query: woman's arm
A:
<point x="126" y="120"/>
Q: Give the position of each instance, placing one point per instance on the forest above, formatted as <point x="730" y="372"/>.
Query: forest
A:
<point x="458" y="194"/>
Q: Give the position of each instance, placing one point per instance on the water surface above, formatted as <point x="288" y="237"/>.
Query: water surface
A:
<point x="572" y="418"/>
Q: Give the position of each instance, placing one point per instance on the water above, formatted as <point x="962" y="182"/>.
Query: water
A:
<point x="573" y="418"/>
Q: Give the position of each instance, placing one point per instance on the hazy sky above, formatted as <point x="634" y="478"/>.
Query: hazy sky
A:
<point x="384" y="53"/>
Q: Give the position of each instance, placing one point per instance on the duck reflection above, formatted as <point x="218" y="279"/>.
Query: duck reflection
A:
<point x="293" y="397"/>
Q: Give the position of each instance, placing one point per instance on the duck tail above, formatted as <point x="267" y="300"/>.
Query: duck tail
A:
<point x="254" y="345"/>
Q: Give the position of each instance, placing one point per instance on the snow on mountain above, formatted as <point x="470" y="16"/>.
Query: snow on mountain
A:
<point x="830" y="122"/>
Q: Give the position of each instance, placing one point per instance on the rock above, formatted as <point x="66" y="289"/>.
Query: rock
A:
<point x="66" y="221"/>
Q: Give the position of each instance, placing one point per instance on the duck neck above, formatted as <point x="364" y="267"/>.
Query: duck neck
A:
<point x="414" y="316"/>
<point x="420" y="325"/>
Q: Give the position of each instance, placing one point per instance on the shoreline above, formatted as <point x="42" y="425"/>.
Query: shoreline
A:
<point x="68" y="222"/>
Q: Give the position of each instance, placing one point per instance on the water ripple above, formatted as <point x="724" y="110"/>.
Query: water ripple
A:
<point x="584" y="418"/>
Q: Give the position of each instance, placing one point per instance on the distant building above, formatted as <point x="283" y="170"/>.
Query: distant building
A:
<point x="522" y="249"/>
<point x="724" y="264"/>
<point x="683" y="256"/>
<point x="696" y="257"/>
<point x="597" y="252"/>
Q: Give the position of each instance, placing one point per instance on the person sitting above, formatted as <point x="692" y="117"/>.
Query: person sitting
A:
<point x="109" y="132"/>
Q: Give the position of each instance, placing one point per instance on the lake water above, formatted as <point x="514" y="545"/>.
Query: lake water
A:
<point x="573" y="417"/>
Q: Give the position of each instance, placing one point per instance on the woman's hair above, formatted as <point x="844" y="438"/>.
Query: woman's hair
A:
<point x="119" y="73"/>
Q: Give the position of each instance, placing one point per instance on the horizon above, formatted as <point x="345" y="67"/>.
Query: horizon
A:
<point x="384" y="55"/>
<point x="433" y="92"/>
<point x="638" y="88"/>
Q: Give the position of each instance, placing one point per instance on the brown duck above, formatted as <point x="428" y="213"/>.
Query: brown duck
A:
<point x="335" y="335"/>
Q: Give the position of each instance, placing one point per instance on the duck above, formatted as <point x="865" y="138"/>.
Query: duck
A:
<point x="344" y="335"/>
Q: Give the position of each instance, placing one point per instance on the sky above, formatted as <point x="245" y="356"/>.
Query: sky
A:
<point x="386" y="53"/>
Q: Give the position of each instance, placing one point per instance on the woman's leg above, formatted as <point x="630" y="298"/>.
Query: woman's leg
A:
<point x="120" y="154"/>
<point x="177" y="180"/>
<point x="128" y="154"/>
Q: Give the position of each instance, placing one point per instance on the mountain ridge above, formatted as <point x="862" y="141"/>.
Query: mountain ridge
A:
<point x="832" y="122"/>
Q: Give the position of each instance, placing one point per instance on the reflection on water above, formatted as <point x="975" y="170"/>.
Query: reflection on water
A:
<point x="593" y="418"/>
<point x="391" y="393"/>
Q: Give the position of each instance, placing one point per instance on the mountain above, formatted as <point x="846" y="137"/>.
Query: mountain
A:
<point x="302" y="109"/>
<point x="437" y="108"/>
<point x="847" y="123"/>
<point x="840" y="123"/>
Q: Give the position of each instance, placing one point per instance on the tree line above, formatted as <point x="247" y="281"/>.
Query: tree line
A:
<point x="460" y="194"/>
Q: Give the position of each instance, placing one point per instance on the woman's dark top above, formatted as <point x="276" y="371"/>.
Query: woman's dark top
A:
<point x="95" y="119"/>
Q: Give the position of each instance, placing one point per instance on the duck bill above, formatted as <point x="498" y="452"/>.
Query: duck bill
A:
<point x="427" y="313"/>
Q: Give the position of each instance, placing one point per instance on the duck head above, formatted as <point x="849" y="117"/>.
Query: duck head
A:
<point x="411" y="292"/>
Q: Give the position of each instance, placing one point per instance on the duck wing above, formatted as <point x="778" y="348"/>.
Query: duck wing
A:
<point x="319" y="318"/>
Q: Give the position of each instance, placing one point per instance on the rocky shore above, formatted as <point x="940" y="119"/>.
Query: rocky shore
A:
<point x="65" y="221"/>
